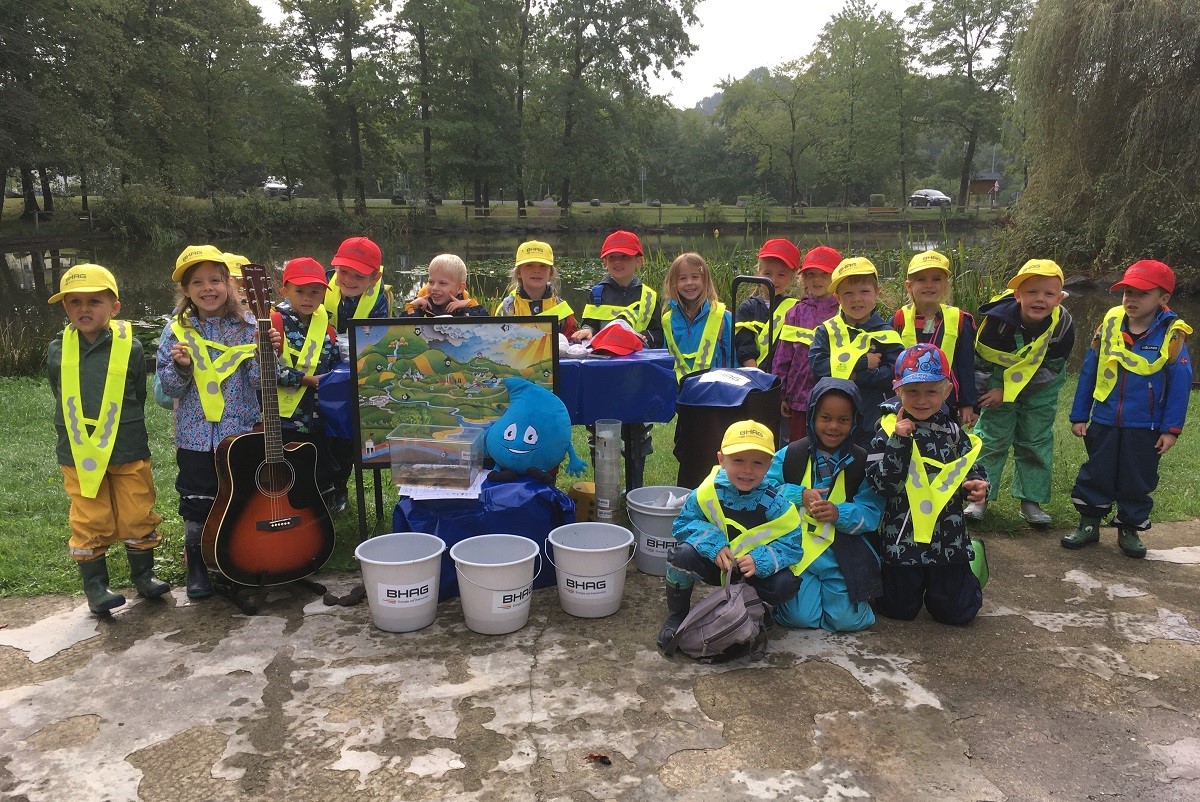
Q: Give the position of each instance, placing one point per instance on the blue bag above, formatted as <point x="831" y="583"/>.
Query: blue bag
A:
<point x="524" y="507"/>
<point x="335" y="399"/>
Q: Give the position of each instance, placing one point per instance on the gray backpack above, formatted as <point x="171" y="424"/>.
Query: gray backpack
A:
<point x="724" y="625"/>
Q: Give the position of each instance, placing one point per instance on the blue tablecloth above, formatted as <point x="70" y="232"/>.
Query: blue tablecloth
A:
<point x="639" y="388"/>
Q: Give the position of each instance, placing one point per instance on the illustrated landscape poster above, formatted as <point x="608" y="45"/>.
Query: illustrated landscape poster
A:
<point x="442" y="375"/>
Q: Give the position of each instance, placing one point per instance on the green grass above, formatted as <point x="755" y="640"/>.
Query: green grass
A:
<point x="33" y="507"/>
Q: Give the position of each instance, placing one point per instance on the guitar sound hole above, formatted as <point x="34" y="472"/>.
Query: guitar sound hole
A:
<point x="275" y="478"/>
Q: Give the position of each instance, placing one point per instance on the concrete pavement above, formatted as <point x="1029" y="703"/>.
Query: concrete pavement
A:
<point x="1077" y="682"/>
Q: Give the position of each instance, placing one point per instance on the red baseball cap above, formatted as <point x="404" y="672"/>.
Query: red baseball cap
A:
<point x="304" y="270"/>
<point x="783" y="250"/>
<point x="1147" y="274"/>
<point x="359" y="254"/>
<point x="821" y="258"/>
<point x="625" y="242"/>
<point x="618" y="339"/>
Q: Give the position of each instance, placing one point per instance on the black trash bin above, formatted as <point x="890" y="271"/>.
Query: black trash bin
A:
<point x="711" y="402"/>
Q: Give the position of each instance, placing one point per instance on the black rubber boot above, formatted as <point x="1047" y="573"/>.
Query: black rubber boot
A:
<point x="679" y="604"/>
<point x="141" y="573"/>
<point x="198" y="584"/>
<point x="101" y="598"/>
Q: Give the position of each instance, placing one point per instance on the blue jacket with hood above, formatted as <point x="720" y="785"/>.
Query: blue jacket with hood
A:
<point x="858" y="516"/>
<point x="1157" y="402"/>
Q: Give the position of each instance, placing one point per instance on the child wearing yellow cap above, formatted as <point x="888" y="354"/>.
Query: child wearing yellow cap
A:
<point x="927" y="318"/>
<point x="735" y="520"/>
<point x="1021" y="350"/>
<point x="531" y="288"/>
<point x="856" y="343"/>
<point x="98" y="376"/>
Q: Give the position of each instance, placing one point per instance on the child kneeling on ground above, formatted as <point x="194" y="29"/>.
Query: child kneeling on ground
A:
<point x="926" y="550"/>
<point x="734" y="519"/>
<point x="824" y="472"/>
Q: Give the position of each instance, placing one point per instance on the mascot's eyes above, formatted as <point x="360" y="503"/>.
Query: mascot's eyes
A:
<point x="531" y="436"/>
<point x="510" y="432"/>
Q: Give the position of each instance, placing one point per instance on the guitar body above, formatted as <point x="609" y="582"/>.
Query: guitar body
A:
<point x="269" y="524"/>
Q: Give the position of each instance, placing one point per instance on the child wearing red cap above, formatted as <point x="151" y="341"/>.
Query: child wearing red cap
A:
<point x="778" y="260"/>
<point x="927" y="318"/>
<point x="310" y="350"/>
<point x="622" y="295"/>
<point x="356" y="290"/>
<point x="799" y="324"/>
<point x="1134" y="388"/>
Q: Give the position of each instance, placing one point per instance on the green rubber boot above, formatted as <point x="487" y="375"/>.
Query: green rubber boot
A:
<point x="679" y="604"/>
<point x="1130" y="543"/>
<point x="100" y="596"/>
<point x="1087" y="534"/>
<point x="141" y="572"/>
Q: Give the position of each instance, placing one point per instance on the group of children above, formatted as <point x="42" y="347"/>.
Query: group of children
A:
<point x="860" y="463"/>
<point x="900" y="433"/>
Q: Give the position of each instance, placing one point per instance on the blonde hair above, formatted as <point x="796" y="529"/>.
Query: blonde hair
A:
<point x="450" y="265"/>
<point x="670" y="283"/>
<point x="514" y="277"/>
<point x="185" y="309"/>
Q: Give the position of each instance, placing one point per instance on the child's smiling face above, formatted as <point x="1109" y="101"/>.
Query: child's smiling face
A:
<point x="856" y="297"/>
<point x="208" y="287"/>
<point x="352" y="283"/>
<point x="922" y="399"/>
<point x="833" y="420"/>
<point x="816" y="282"/>
<point x="690" y="283"/>
<point x="745" y="469"/>
<point x="534" y="277"/>
<point x="443" y="287"/>
<point x="622" y="267"/>
<point x="1038" y="296"/>
<point x="777" y="272"/>
<point x="927" y="288"/>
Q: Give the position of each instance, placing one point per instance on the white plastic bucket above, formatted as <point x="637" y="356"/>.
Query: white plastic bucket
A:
<point x="652" y="525"/>
<point x="590" y="560"/>
<point x="400" y="573"/>
<point x="495" y="581"/>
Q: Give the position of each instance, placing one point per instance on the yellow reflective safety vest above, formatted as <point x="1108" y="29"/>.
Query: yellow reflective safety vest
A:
<point x="845" y="349"/>
<point x="797" y="334"/>
<point x="816" y="536"/>
<point x="91" y="452"/>
<point x="1019" y="367"/>
<point x="951" y="321"/>
<point x="928" y="495"/>
<point x="551" y="307"/>
<point x="366" y="301"/>
<point x="210" y="372"/>
<point x="1114" y="353"/>
<point x="305" y="360"/>
<point x="747" y="539"/>
<point x="706" y="349"/>
<point x="639" y="313"/>
<point x="762" y="332"/>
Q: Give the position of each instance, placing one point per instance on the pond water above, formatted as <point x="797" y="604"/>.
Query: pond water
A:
<point x="143" y="271"/>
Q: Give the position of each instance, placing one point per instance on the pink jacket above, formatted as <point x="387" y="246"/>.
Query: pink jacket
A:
<point x="791" y="359"/>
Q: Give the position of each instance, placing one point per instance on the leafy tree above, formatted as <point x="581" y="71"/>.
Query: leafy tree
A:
<point x="967" y="45"/>
<point x="1111" y="91"/>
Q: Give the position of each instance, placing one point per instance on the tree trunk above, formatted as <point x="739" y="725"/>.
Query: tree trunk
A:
<point x="47" y="192"/>
<point x="426" y="115"/>
<point x="524" y="41"/>
<point x="83" y="189"/>
<point x="31" y="204"/>
<point x="964" y="178"/>
<point x="37" y="263"/>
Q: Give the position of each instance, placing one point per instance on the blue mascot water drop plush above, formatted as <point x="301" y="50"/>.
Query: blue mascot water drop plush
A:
<point x="533" y="436"/>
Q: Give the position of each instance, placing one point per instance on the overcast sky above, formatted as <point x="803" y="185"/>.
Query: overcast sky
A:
<point x="734" y="37"/>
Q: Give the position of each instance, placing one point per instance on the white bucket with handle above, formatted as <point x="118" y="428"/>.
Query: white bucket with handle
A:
<point x="590" y="559"/>
<point x="401" y="574"/>
<point x="651" y="522"/>
<point x="495" y="581"/>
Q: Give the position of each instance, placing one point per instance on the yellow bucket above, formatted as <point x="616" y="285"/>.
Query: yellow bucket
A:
<point x="584" y="496"/>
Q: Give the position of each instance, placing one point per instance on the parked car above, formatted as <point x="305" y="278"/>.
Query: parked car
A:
<point x="274" y="188"/>
<point x="929" y="197"/>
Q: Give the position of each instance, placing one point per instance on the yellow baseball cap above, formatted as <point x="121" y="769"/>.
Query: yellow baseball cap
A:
<point x="85" y="278"/>
<point x="534" y="251"/>
<point x="747" y="435"/>
<point x="234" y="262"/>
<point x="928" y="260"/>
<point x="854" y="266"/>
<point x="194" y="254"/>
<point x="1036" y="267"/>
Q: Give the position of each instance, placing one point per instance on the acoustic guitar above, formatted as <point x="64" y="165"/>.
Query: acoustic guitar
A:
<point x="269" y="524"/>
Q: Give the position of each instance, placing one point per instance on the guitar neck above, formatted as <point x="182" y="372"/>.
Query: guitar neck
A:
<point x="269" y="385"/>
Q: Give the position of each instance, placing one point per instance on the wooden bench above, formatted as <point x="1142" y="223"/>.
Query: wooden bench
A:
<point x="872" y="210"/>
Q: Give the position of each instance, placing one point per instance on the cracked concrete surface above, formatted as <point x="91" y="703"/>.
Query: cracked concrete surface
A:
<point x="1076" y="682"/>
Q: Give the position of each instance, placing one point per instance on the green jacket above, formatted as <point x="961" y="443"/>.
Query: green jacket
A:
<point x="132" y="441"/>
